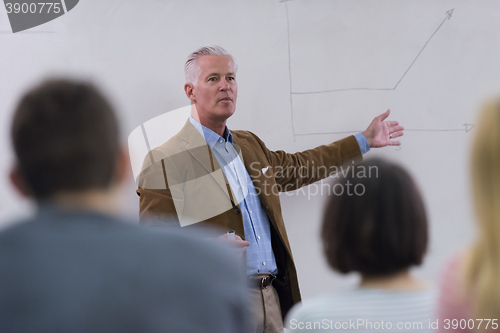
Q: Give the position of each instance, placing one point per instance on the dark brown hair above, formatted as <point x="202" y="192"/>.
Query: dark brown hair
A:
<point x="65" y="137"/>
<point x="380" y="232"/>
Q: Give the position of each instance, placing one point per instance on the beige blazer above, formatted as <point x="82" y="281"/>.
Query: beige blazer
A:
<point x="182" y="178"/>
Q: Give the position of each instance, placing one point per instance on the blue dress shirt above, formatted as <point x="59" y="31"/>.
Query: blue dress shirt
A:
<point x="363" y="143"/>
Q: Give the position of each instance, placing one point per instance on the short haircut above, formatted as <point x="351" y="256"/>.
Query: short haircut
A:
<point x="191" y="68"/>
<point x="381" y="232"/>
<point x="66" y="138"/>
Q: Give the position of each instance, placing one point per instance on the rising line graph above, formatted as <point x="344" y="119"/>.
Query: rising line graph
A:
<point x="448" y="15"/>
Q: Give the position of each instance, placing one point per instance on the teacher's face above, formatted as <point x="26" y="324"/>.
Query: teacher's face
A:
<point x="216" y="89"/>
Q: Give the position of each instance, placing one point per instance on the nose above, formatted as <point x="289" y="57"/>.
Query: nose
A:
<point x="224" y="86"/>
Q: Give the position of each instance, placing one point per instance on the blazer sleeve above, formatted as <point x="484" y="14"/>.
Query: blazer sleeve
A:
<point x="292" y="171"/>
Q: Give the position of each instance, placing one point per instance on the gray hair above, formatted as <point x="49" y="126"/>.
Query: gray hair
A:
<point x="191" y="68"/>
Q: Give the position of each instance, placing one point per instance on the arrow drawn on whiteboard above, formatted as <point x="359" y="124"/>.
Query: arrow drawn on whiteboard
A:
<point x="448" y="16"/>
<point x="467" y="129"/>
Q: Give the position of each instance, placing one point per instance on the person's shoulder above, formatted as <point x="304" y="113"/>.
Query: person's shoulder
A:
<point x="99" y="229"/>
<point x="309" y="309"/>
<point x="170" y="153"/>
<point x="333" y="299"/>
<point x="175" y="144"/>
<point x="172" y="146"/>
<point x="17" y="227"/>
<point x="242" y="134"/>
<point x="380" y="297"/>
<point x="368" y="297"/>
<point x="248" y="137"/>
<point x="349" y="304"/>
<point x="51" y="218"/>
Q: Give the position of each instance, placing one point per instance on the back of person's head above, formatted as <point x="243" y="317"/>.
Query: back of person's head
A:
<point x="375" y="221"/>
<point x="483" y="265"/>
<point x="65" y="137"/>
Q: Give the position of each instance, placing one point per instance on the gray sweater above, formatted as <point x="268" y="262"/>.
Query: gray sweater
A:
<point x="76" y="271"/>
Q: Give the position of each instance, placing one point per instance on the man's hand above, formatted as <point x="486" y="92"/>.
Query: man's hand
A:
<point x="380" y="133"/>
<point x="238" y="243"/>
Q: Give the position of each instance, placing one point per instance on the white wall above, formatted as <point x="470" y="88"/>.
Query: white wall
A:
<point x="135" y="51"/>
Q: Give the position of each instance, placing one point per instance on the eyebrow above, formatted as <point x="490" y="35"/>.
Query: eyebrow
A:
<point x="217" y="74"/>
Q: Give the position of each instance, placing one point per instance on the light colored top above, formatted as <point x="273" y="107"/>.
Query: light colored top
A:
<point x="365" y="310"/>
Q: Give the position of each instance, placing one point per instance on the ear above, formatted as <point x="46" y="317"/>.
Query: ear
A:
<point x="122" y="168"/>
<point x="17" y="180"/>
<point x="189" y="90"/>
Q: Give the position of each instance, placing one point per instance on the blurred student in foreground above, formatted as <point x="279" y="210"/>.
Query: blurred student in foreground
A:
<point x="75" y="267"/>
<point x="378" y="228"/>
<point x="470" y="287"/>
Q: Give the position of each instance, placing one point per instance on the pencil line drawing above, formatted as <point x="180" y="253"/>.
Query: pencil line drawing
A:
<point x="466" y="129"/>
<point x="449" y="14"/>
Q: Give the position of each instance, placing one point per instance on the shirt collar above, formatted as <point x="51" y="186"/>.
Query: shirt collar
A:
<point x="210" y="136"/>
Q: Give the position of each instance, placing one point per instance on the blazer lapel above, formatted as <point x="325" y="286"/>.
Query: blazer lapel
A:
<point x="260" y="181"/>
<point x="199" y="149"/>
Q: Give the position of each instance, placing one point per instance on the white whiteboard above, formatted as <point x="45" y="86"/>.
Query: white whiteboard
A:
<point x="310" y="72"/>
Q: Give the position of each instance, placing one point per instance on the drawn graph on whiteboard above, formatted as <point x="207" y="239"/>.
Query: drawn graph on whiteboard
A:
<point x="342" y="55"/>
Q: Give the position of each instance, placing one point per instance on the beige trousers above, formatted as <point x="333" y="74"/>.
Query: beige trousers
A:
<point x="266" y="310"/>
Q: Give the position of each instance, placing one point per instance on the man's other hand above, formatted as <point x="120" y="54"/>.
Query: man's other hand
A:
<point x="380" y="132"/>
<point x="238" y="243"/>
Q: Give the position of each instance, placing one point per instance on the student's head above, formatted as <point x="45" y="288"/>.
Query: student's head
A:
<point x="65" y="138"/>
<point x="483" y="266"/>
<point x="486" y="173"/>
<point x="381" y="230"/>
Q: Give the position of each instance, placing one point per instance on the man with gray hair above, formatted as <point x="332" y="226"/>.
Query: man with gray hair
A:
<point x="209" y="175"/>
